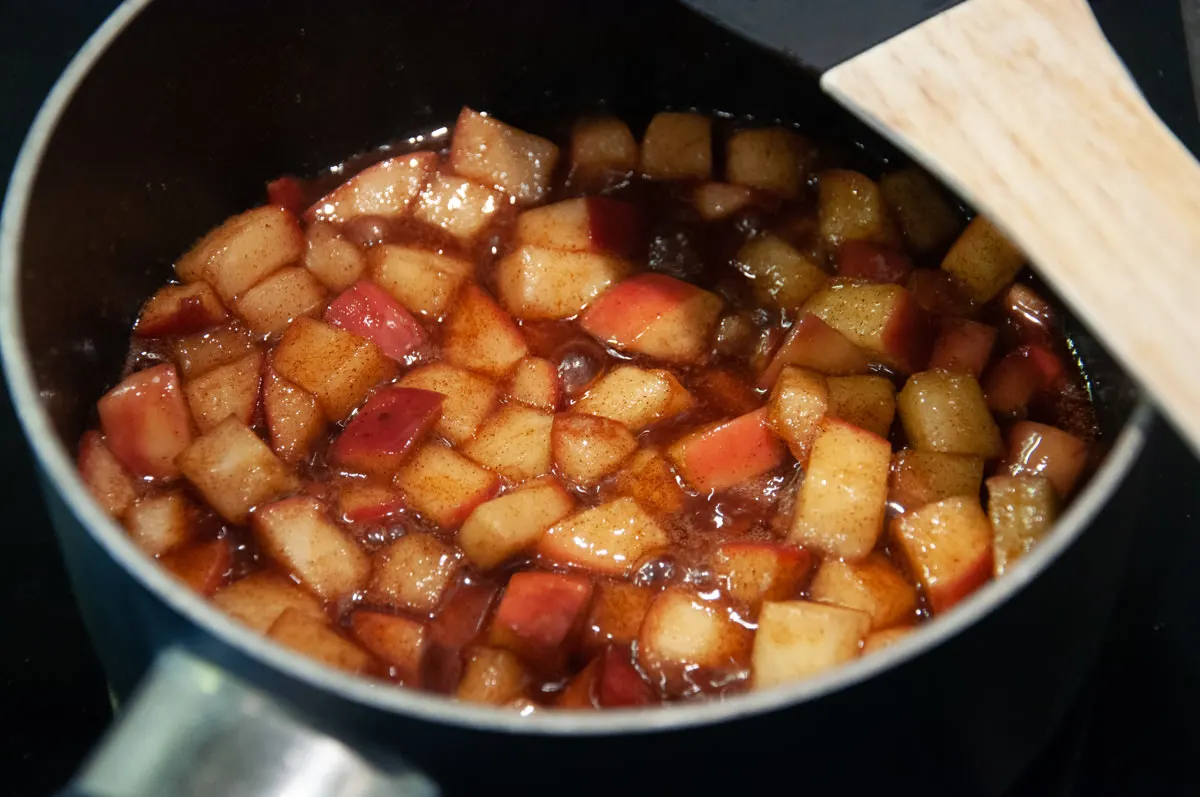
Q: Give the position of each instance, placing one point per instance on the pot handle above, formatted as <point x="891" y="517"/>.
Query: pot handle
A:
<point x="193" y="729"/>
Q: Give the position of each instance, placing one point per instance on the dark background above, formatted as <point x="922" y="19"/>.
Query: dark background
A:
<point x="1134" y="732"/>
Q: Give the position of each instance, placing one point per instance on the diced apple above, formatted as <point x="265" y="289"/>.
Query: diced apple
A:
<point x="868" y="402"/>
<point x="863" y="260"/>
<point x="841" y="503"/>
<point x="421" y="280"/>
<point x="535" y="382"/>
<point x="1021" y="375"/>
<point x="161" y="522"/>
<point x="586" y="448"/>
<point x="728" y="453"/>
<point x="146" y="422"/>
<point x="469" y="398"/>
<point x="180" y="310"/>
<point x="780" y="274"/>
<point x="922" y="477"/>
<point x="370" y="312"/>
<point x="585" y="224"/>
<point x="727" y="391"/>
<point x="515" y="442"/>
<point x="202" y="567"/>
<point x="299" y="534"/>
<point x="229" y="390"/>
<point x="336" y="262"/>
<point x="481" y="336"/>
<point x="963" y="345"/>
<point x="366" y="502"/>
<point x="539" y="613"/>
<point x="939" y="294"/>
<point x="538" y="283"/>
<point x="287" y="193"/>
<point x="337" y="367"/>
<point x="491" y="152"/>
<point x="648" y="479"/>
<point x="316" y="639"/>
<point x="636" y="397"/>
<point x="445" y="486"/>
<point x="234" y="470"/>
<point x="279" y="299"/>
<point x="493" y="676"/>
<point x="294" y="419"/>
<point x="799" y="639"/>
<point x="603" y="150"/>
<point x="388" y="426"/>
<point x="811" y="343"/>
<point x="459" y="206"/>
<point x="655" y="315"/>
<point x="716" y="201"/>
<point x="881" y="319"/>
<point x="927" y="219"/>
<point x="686" y="639"/>
<point x="1039" y="449"/>
<point x="399" y="641"/>
<point x="948" y="545"/>
<point x="106" y="478"/>
<point x="619" y="684"/>
<point x="616" y="614"/>
<point x="770" y="159"/>
<point x="245" y="249"/>
<point x="983" y="260"/>
<point x="258" y="599"/>
<point x="503" y="527"/>
<point x="873" y="586"/>
<point x="850" y="207"/>
<point x="387" y="189"/>
<point x="946" y="411"/>
<point x="879" y="640"/>
<point x="677" y="146"/>
<point x="1022" y="510"/>
<point x="198" y="354"/>
<point x="607" y="539"/>
<point x="413" y="572"/>
<point x="798" y="402"/>
<point x="458" y="622"/>
<point x="753" y="572"/>
<point x="1033" y="316"/>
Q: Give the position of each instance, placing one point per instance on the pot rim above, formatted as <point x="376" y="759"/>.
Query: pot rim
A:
<point x="58" y="463"/>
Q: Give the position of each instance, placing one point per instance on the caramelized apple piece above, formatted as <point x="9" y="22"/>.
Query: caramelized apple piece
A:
<point x="780" y="274"/>
<point x="336" y="262"/>
<point x="538" y="614"/>
<point x="1021" y="375"/>
<point x="655" y="315"/>
<point x="881" y="319"/>
<point x="469" y="398"/>
<point x="616" y="614"/>
<point x="922" y="477"/>
<point x="493" y="676"/>
<point x="798" y="402"/>
<point x="386" y="189"/>
<point x="586" y="448"/>
<point x="879" y="640"/>
<point x="381" y="434"/>
<point x="948" y="545"/>
<point x="459" y="206"/>
<point x="106" y="478"/>
<point x="534" y="282"/>
<point x="491" y="152"/>
<point x="603" y="151"/>
<point x="161" y="522"/>
<point x="983" y="260"/>
<point x="946" y="411"/>
<point x="180" y="310"/>
<point x="608" y="539"/>
<point x="811" y="343"/>
<point x="515" y="442"/>
<point x="648" y="479"/>
<point x="399" y="641"/>
<point x="501" y="528"/>
<point x="243" y="250"/>
<point x="963" y="345"/>
<point x="294" y="419"/>
<point x="198" y="354"/>
<point x="229" y="390"/>
<point x="423" y="281"/>
<point x="366" y="502"/>
<point x="443" y="485"/>
<point x="850" y="207"/>
<point x="728" y="453"/>
<point x="1022" y="510"/>
<point x="873" y="586"/>
<point x="686" y="639"/>
<point x="413" y="572"/>
<point x="863" y="260"/>
<point x="234" y="470"/>
<point x="716" y="201"/>
<point x="202" y="567"/>
<point x="586" y="224"/>
<point x="479" y="335"/>
<point x="339" y="368"/>
<point x="146" y="422"/>
<point x="258" y="599"/>
<point x="868" y="402"/>
<point x="927" y="219"/>
<point x="1043" y="450"/>
<point x="753" y="572"/>
<point x="799" y="639"/>
<point x="370" y="312"/>
<point x="770" y="159"/>
<point x="636" y="397"/>
<point x="535" y="382"/>
<point x="299" y="534"/>
<point x="286" y="295"/>
<point x="317" y="640"/>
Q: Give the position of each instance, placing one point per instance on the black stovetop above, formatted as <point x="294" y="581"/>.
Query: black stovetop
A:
<point x="1134" y="731"/>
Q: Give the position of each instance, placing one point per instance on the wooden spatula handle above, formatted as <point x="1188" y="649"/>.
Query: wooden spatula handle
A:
<point x="1022" y="107"/>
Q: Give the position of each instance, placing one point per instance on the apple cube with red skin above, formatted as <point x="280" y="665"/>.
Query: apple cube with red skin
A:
<point x="983" y="260"/>
<point x="180" y="310"/>
<point x="850" y="207"/>
<point x="586" y="448"/>
<point x="636" y="397"/>
<point x="647" y="478"/>
<point x="868" y="402"/>
<point x="922" y="477"/>
<point x="534" y="282"/>
<point x="337" y="367"/>
<point x="294" y="419"/>
<point x="243" y="251"/>
<point x="655" y="315"/>
<point x="370" y="312"/>
<point x="268" y="307"/>
<point x="883" y="320"/>
<point x="160" y="523"/>
<point x="1022" y="510"/>
<point x="770" y="159"/>
<point x="963" y="345"/>
<point x="203" y="567"/>
<point x="469" y="398"/>
<point x="946" y="411"/>
<point x="926" y="218"/>
<point x="1039" y="449"/>
<point x="728" y="453"/>
<point x="603" y="150"/>
<point x="686" y="639"/>
<point x="481" y="336"/>
<point x="798" y="402"/>
<point x="443" y="485"/>
<point x="413" y="572"/>
<point x="873" y="586"/>
<point x="863" y="260"/>
<point x="387" y="189"/>
<point x="493" y="676"/>
<point x="727" y="391"/>
<point x="538" y="614"/>
<point x="229" y="390"/>
<point x="299" y="534"/>
<point x="753" y="572"/>
<point x="422" y="280"/>
<point x="459" y="206"/>
<point x="336" y="262"/>
<point x="494" y="153"/>
<point x="677" y="146"/>
<point x="716" y="201"/>
<point x="457" y="623"/>
<point x="616" y="614"/>
<point x="939" y="294"/>
<point x="948" y="545"/>
<point x="585" y="224"/>
<point x="813" y="344"/>
<point x="779" y="273"/>
<point x="146" y="423"/>
<point x="398" y="641"/>
<point x="534" y="382"/>
<point x="258" y="599"/>
<point x="609" y="681"/>
<point x="387" y="427"/>
<point x="106" y="478"/>
<point x="287" y="193"/>
<point x="515" y="442"/>
<point x="366" y="502"/>
<point x="505" y="526"/>
<point x="842" y="501"/>
<point x="879" y="640"/>
<point x="1021" y="375"/>
<point x="1033" y="317"/>
<point x="316" y="639"/>
<point x="799" y="639"/>
<point x="608" y="539"/>
<point x="234" y="470"/>
<point x="198" y="354"/>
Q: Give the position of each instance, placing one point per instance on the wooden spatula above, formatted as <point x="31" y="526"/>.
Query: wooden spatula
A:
<point x="1022" y="107"/>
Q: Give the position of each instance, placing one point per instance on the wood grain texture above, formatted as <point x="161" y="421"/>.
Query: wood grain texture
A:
<point x="1023" y="108"/>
